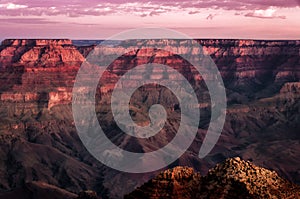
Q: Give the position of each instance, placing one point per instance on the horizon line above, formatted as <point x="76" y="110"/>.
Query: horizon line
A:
<point x="203" y="38"/>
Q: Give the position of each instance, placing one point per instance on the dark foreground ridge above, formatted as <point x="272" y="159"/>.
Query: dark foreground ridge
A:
<point x="234" y="178"/>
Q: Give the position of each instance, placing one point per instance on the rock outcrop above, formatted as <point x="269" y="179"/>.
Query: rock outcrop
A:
<point x="233" y="178"/>
<point x="236" y="178"/>
<point x="179" y="182"/>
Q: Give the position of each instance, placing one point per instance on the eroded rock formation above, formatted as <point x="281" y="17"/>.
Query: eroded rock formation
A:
<point x="233" y="178"/>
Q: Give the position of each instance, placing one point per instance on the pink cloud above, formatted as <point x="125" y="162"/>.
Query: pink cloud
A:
<point x="153" y="13"/>
<point x="74" y="8"/>
<point x="265" y="14"/>
<point x="42" y="17"/>
<point x="194" y="12"/>
<point x="143" y="15"/>
<point x="26" y="21"/>
<point x="240" y="4"/>
<point x="263" y="17"/>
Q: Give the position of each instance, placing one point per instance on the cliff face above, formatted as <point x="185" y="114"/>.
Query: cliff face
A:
<point x="36" y="80"/>
<point x="253" y="68"/>
<point x="38" y="72"/>
<point x="39" y="54"/>
<point x="233" y="178"/>
<point x="256" y="60"/>
<point x="42" y="52"/>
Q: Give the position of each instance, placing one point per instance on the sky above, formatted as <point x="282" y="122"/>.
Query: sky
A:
<point x="92" y="19"/>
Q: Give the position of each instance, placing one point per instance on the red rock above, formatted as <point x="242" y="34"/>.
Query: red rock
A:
<point x="60" y="97"/>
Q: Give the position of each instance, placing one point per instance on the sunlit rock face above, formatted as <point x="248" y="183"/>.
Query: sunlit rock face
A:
<point x="36" y="82"/>
<point x="178" y="182"/>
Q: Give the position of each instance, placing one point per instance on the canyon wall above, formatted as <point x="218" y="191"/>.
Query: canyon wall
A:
<point x="251" y="67"/>
<point x="36" y="82"/>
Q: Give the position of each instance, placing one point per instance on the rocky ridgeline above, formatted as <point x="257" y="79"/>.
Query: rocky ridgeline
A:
<point x="179" y="182"/>
<point x="233" y="178"/>
<point x="237" y="178"/>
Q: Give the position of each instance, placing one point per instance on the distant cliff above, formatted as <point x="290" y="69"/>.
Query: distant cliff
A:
<point x="253" y="69"/>
<point x="39" y="52"/>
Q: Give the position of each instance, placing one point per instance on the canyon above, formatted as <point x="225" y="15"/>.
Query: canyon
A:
<point x="39" y="141"/>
